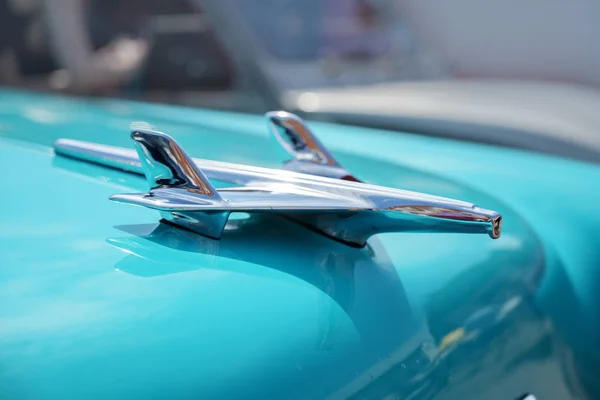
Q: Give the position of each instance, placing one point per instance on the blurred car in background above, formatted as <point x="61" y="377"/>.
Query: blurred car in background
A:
<point x="394" y="65"/>
<point x="512" y="74"/>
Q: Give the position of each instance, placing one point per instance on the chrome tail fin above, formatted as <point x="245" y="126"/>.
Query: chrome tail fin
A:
<point x="166" y="165"/>
<point x="309" y="155"/>
<point x="178" y="188"/>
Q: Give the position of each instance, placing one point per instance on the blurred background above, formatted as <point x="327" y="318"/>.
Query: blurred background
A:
<point x="514" y="73"/>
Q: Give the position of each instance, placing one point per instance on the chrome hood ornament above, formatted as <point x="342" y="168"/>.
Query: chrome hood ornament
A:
<point x="314" y="190"/>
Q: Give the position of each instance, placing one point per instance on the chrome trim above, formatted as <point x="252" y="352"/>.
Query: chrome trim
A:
<point x="344" y="209"/>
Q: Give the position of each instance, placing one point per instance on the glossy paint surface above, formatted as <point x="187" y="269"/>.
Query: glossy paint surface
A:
<point x="99" y="301"/>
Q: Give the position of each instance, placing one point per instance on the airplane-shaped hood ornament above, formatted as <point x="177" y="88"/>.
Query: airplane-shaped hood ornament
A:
<point x="314" y="189"/>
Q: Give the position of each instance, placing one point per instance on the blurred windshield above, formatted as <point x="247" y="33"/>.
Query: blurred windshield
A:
<point x="246" y="55"/>
<point x="314" y="29"/>
<point x="328" y="43"/>
<point x="169" y="50"/>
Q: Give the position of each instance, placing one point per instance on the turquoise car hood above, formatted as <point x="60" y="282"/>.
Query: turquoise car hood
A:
<point x="98" y="300"/>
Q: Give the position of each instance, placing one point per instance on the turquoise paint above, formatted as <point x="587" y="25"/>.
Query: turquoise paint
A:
<point x="97" y="300"/>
